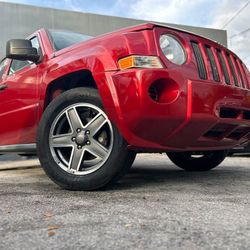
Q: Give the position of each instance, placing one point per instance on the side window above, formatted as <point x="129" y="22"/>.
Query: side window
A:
<point x="3" y="65"/>
<point x="35" y="44"/>
<point x="17" y="64"/>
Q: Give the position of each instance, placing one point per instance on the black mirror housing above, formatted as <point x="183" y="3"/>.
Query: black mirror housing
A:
<point x="21" y="49"/>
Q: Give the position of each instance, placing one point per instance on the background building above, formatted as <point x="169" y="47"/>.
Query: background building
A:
<point x="18" y="21"/>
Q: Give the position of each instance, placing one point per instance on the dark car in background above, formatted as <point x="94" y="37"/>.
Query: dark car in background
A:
<point x="244" y="149"/>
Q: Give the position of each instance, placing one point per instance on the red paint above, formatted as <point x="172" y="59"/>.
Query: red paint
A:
<point x="180" y="121"/>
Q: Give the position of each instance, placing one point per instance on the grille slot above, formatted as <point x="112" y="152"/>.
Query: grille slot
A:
<point x="246" y="115"/>
<point x="239" y="72"/>
<point x="245" y="76"/>
<point x="232" y="70"/>
<point x="226" y="131"/>
<point x="223" y="66"/>
<point x="238" y="133"/>
<point x="234" y="113"/>
<point x="200" y="61"/>
<point x="218" y="131"/>
<point x="213" y="64"/>
<point x="229" y="113"/>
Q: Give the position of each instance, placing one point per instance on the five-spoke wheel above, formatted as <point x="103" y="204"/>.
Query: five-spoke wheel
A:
<point x="78" y="146"/>
<point x="81" y="138"/>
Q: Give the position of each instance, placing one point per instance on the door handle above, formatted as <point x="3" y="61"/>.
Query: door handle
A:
<point x="3" y="87"/>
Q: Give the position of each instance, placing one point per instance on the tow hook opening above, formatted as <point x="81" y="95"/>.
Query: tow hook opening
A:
<point x="164" y="90"/>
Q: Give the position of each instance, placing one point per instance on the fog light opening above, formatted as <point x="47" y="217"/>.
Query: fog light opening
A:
<point x="164" y="91"/>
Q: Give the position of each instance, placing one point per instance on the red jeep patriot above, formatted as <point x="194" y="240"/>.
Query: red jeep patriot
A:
<point x="87" y="105"/>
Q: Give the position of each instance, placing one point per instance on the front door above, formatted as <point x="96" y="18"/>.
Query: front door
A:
<point x="19" y="102"/>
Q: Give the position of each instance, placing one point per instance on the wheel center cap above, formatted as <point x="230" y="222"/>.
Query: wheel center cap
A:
<point x="81" y="138"/>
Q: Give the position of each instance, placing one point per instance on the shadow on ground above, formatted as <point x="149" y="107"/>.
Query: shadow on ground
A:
<point x="149" y="174"/>
<point x="141" y="175"/>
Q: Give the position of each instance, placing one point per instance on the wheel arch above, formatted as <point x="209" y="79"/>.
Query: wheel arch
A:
<point x="83" y="77"/>
<point x="75" y="79"/>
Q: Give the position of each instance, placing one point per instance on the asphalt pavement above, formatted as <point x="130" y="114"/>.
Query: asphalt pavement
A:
<point x="156" y="206"/>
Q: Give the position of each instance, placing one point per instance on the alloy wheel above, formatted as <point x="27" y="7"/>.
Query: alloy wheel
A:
<point x="81" y="139"/>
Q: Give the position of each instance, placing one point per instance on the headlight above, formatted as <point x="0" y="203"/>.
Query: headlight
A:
<point x="140" y="62"/>
<point x="172" y="49"/>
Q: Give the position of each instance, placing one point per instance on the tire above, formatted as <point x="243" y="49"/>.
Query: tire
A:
<point x="202" y="161"/>
<point x="78" y="147"/>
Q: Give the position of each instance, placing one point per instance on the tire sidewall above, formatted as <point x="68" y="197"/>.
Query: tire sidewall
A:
<point x="204" y="163"/>
<point x="94" y="180"/>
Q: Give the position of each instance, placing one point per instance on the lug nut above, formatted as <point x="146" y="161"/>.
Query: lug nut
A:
<point x="87" y="132"/>
<point x="78" y="130"/>
<point x="88" y="142"/>
<point x="79" y="147"/>
<point x="73" y="139"/>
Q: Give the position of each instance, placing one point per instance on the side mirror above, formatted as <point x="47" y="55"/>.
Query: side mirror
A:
<point x="21" y="49"/>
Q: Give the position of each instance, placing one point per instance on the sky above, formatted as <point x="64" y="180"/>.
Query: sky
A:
<point x="204" y="13"/>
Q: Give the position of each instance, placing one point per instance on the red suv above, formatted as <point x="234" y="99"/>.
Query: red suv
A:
<point x="88" y="105"/>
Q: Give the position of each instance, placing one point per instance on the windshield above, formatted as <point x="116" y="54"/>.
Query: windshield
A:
<point x="64" y="39"/>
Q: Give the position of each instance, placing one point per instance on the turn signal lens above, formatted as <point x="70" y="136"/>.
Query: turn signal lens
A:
<point x="140" y="62"/>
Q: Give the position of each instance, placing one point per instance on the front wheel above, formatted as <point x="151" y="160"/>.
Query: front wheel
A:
<point x="197" y="161"/>
<point x="78" y="146"/>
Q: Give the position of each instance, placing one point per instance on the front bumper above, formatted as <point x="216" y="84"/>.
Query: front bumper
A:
<point x="199" y="119"/>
